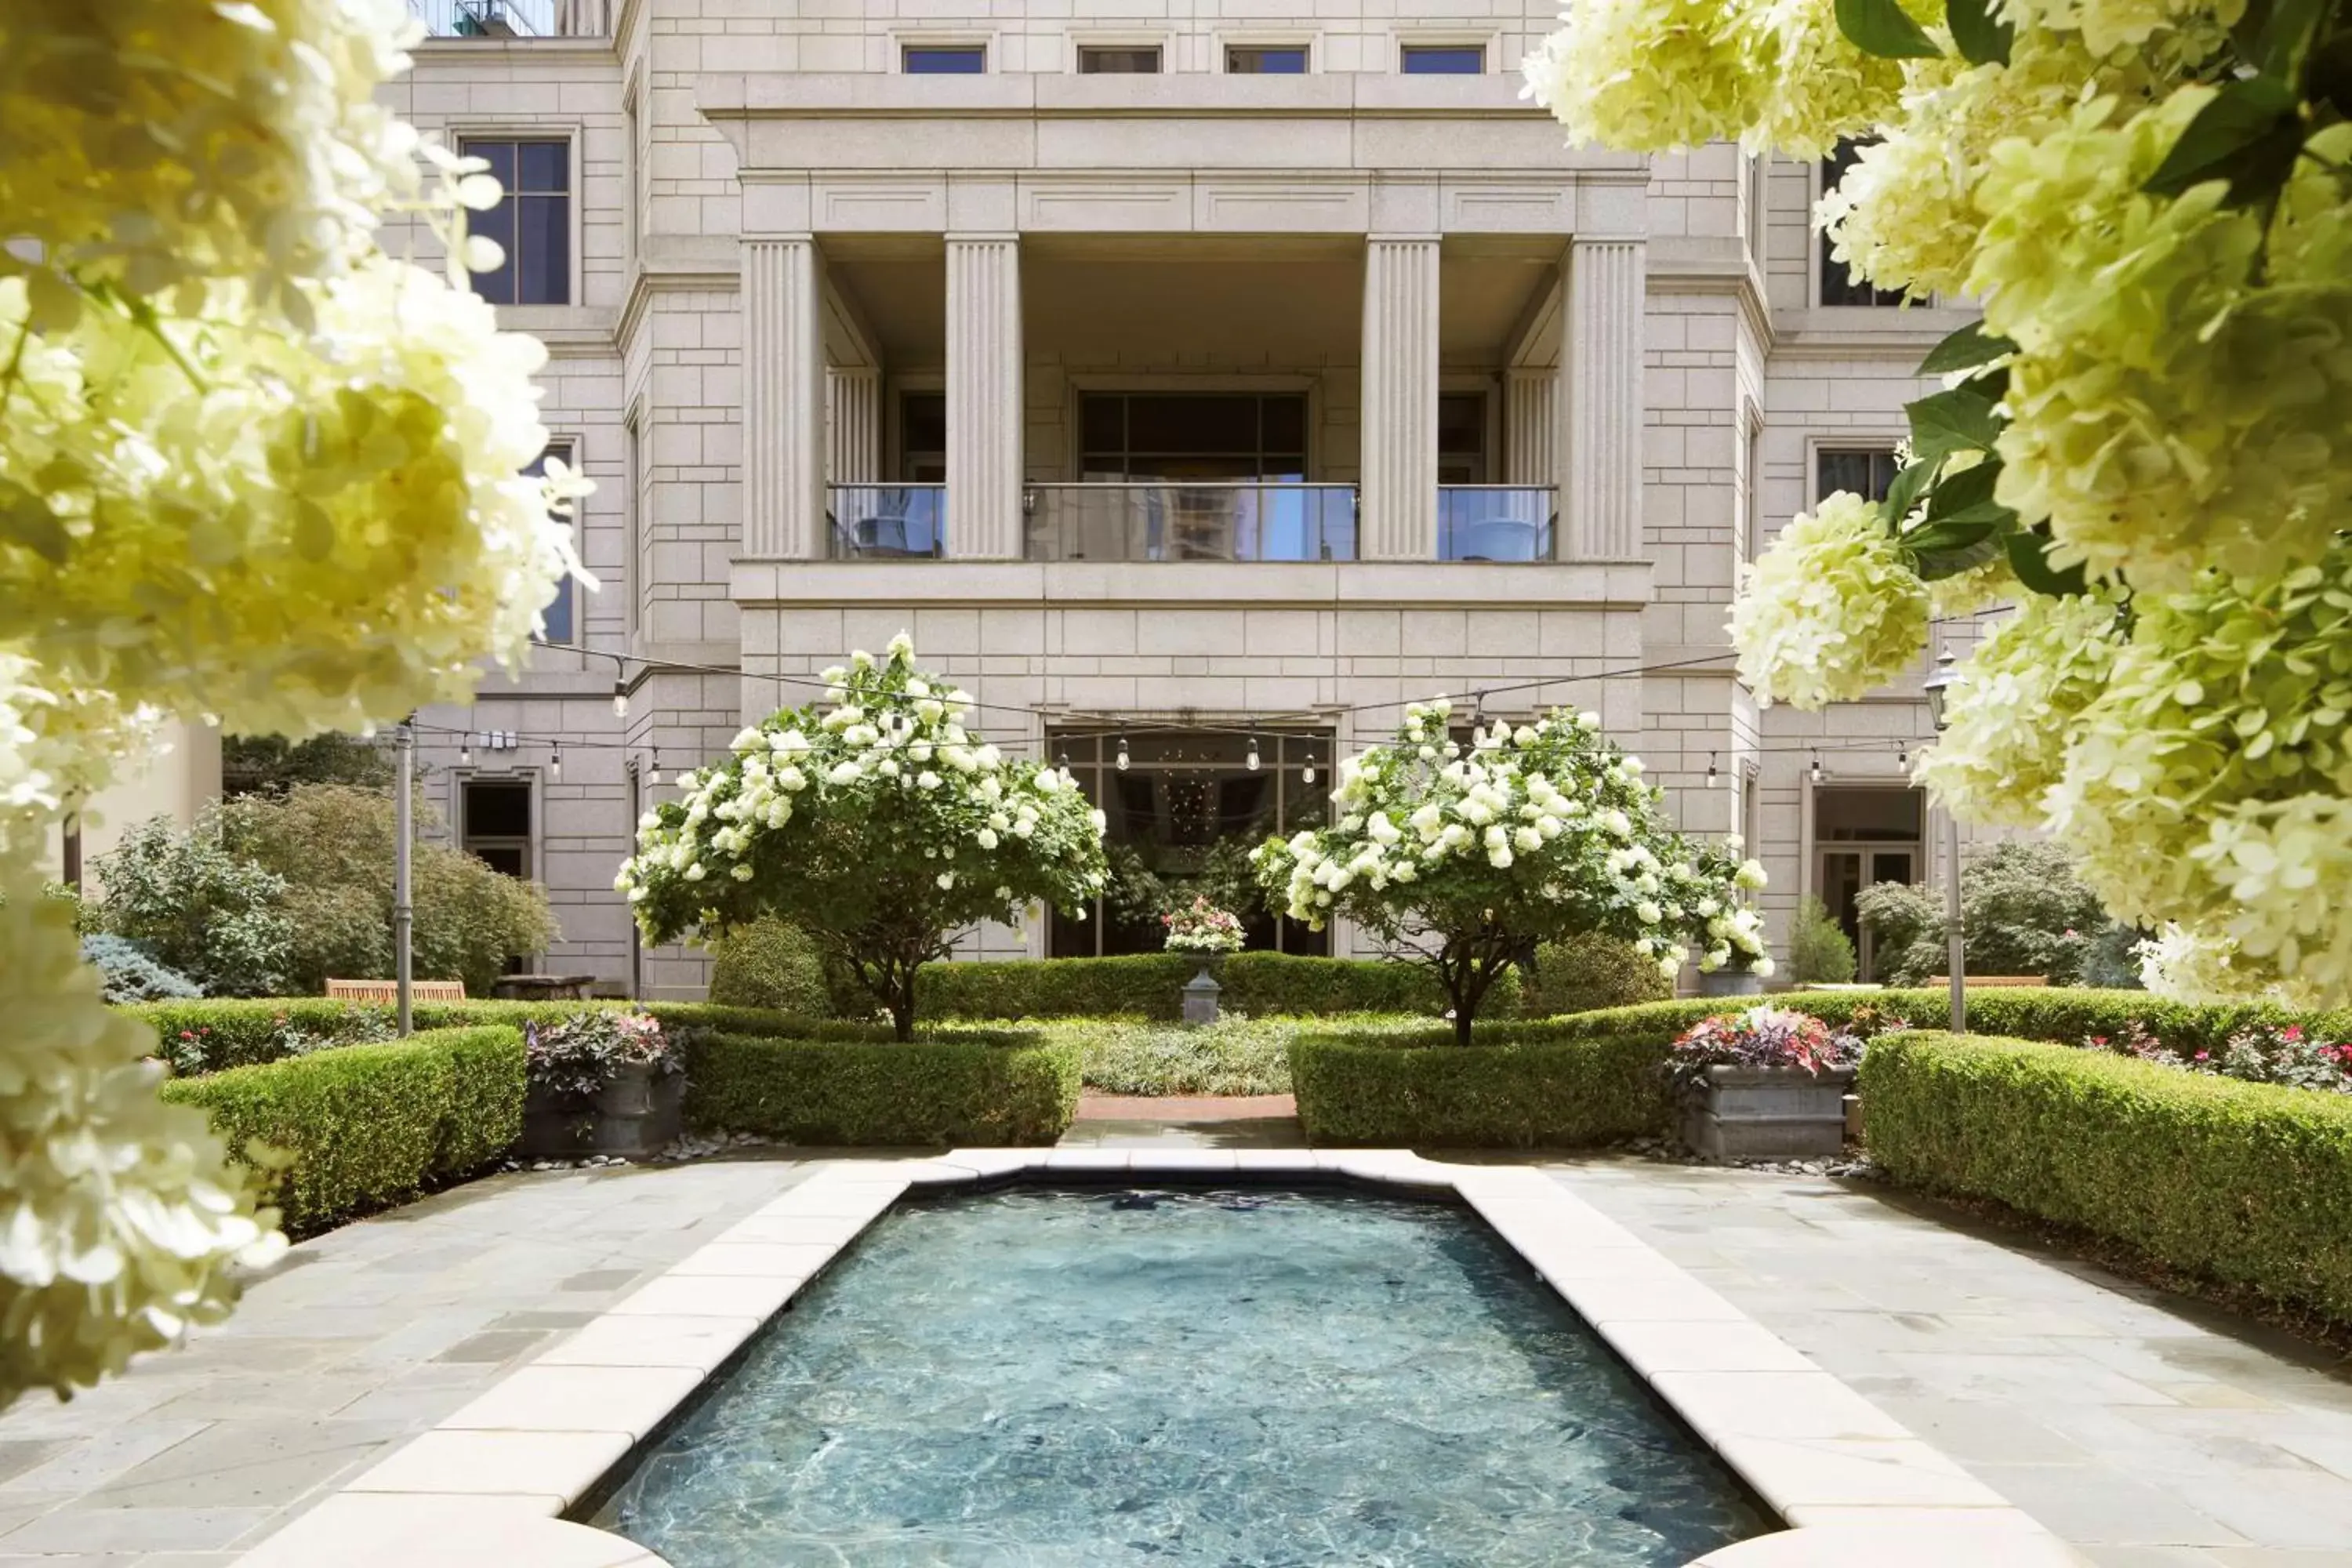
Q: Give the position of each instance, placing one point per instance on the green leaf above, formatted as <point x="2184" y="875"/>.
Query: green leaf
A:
<point x="1910" y="482"/>
<point x="1935" y="565"/>
<point x="1965" y="350"/>
<point x="2029" y="557"/>
<point x="2248" y="135"/>
<point x="1964" y="491"/>
<point x="2285" y="36"/>
<point x="1883" y="28"/>
<point x="1982" y="38"/>
<point x="1949" y="534"/>
<point x="1959" y="420"/>
<point x="25" y="519"/>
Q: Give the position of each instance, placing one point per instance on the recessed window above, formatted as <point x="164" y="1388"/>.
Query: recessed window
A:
<point x="1252" y="60"/>
<point x="1462" y="438"/>
<point x="1207" y="436"/>
<point x="944" y="59"/>
<point x="923" y="437"/>
<point x="532" y="222"/>
<point x="1444" y="60"/>
<point x="1839" y="285"/>
<point x="1118" y="62"/>
<point x="558" y="615"/>
<point x="1865" y="471"/>
<point x="498" y="825"/>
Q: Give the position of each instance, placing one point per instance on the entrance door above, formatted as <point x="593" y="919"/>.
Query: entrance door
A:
<point x="1864" y="835"/>
<point x="1843" y="873"/>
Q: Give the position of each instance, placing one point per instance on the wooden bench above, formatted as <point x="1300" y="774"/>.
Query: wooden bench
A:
<point x="1975" y="981"/>
<point x="387" y="992"/>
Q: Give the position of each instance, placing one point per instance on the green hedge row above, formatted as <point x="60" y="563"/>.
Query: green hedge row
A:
<point x="1152" y="985"/>
<point x="364" y="1127"/>
<point x="964" y="1088"/>
<point x="2241" y="1182"/>
<point x="1587" y="1078"/>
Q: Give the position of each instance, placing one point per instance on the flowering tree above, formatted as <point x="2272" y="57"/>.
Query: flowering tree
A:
<point x="1463" y="858"/>
<point x="252" y="470"/>
<point x="878" y="824"/>
<point x="2144" y="446"/>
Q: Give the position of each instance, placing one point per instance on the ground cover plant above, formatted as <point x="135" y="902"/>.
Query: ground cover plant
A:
<point x="875" y="822"/>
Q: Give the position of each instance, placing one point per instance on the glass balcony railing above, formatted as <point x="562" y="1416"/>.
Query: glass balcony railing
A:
<point x="511" y="19"/>
<point x="1172" y="520"/>
<point x="887" y="522"/>
<point x="1497" y="522"/>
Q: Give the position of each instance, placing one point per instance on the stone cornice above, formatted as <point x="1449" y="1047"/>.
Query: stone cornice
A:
<point x="1352" y="585"/>
<point x="646" y="281"/>
<point x="510" y="52"/>
<point x="801" y="95"/>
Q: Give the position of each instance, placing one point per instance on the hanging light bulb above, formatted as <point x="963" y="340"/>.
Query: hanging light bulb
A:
<point x="652" y="775"/>
<point x="465" y="750"/>
<point x="1817" y="767"/>
<point x="555" y="763"/>
<point x="1711" y="776"/>
<point x="1062" y="760"/>
<point x="1120" y="761"/>
<point x="1309" y="777"/>
<point x="620" y="698"/>
<point x="1250" y="762"/>
<point x="1903" y="757"/>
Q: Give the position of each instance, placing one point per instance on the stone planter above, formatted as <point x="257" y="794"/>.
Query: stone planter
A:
<point x="1768" y="1113"/>
<point x="637" y="1113"/>
<point x="1201" y="992"/>
<point x="1731" y="983"/>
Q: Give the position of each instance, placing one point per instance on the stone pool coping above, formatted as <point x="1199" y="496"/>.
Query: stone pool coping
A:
<point x="486" y="1487"/>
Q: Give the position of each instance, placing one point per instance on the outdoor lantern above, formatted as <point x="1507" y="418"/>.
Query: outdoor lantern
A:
<point x="1936" y="685"/>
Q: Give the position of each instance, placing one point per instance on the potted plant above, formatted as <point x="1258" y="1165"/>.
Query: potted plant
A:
<point x="1208" y="934"/>
<point x="602" y="1083"/>
<point x="1735" y="961"/>
<point x="1769" y="1083"/>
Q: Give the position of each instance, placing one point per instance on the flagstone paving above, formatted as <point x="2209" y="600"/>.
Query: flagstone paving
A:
<point x="2148" y="1432"/>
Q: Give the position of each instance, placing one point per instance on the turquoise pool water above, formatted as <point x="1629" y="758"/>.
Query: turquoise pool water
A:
<point x="1107" y="1378"/>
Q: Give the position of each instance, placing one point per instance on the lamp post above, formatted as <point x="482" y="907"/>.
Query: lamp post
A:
<point x="404" y="831"/>
<point x="1954" y="947"/>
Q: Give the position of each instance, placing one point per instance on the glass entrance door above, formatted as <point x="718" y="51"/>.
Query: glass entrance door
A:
<point x="1843" y="872"/>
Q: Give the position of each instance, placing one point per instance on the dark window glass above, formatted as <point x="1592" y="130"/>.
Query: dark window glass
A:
<point x="1192" y="436"/>
<point x="1866" y="472"/>
<point x="498" y="810"/>
<point x="923" y="437"/>
<point x="967" y="59"/>
<point x="1118" y="62"/>
<point x="1266" y="62"/>
<point x="1839" y="285"/>
<point x="532" y="222"/>
<point x="1444" y="60"/>
<point x="506" y="859"/>
<point x="1286" y="423"/>
<point x="1846" y="814"/>
<point x="1102" y="424"/>
<point x="558" y="613"/>
<point x="1462" y="422"/>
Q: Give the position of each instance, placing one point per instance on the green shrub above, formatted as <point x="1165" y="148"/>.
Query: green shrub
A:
<point x="198" y="908"/>
<point x="1152" y="985"/>
<point x="1589" y="971"/>
<point x="967" y="1087"/>
<point x="363" y="1126"/>
<point x="2241" y="1183"/>
<point x="770" y="963"/>
<point x="1233" y="1055"/>
<point x="132" y="972"/>
<point x="1520" y="1086"/>
<point x="1820" y="952"/>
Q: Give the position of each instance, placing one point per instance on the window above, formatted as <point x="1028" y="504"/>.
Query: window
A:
<point x="558" y="613"/>
<point x="1192" y="436"/>
<point x="1462" y="438"/>
<point x="1118" y="62"/>
<point x="1444" y="60"/>
<point x="1186" y="804"/>
<point x="1751" y="509"/>
<point x="532" y="222"/>
<point x="1252" y="60"/>
<point x="944" y="59"/>
<point x="1839" y="286"/>
<point x="923" y="437"/>
<point x="1867" y="472"/>
<point x="498" y="825"/>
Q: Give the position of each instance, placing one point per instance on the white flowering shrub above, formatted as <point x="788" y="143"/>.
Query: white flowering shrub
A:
<point x="877" y="823"/>
<point x="253" y="471"/>
<point x="1465" y="857"/>
<point x="2145" y="442"/>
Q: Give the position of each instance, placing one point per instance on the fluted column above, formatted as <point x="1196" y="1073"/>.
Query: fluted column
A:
<point x="1601" y="357"/>
<point x="854" y="420"/>
<point x="984" y="410"/>
<point x="1399" y="401"/>
<point x="783" y="398"/>
<point x="1531" y="427"/>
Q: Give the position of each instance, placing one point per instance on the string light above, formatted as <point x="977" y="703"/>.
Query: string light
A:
<point x="1063" y="758"/>
<point x="620" y="699"/>
<point x="465" y="750"/>
<point x="1712" y="778"/>
<point x="1817" y="765"/>
<point x="1903" y="758"/>
<point x="654" y="776"/>
<point x="1250" y="762"/>
<point x="1120" y="761"/>
<point x="555" y="762"/>
<point x="1309" y="777"/>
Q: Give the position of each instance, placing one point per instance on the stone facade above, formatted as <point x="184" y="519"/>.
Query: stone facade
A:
<point x="784" y="244"/>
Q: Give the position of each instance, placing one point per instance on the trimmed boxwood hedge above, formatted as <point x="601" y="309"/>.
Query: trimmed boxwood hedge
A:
<point x="1587" y="1078"/>
<point x="2243" y="1182"/>
<point x="945" y="1089"/>
<point x="364" y="1127"/>
<point x="1152" y="985"/>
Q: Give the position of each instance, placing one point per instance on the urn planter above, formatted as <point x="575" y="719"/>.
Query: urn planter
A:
<point x="1731" y="983"/>
<point x="1202" y="991"/>
<point x="640" y="1111"/>
<point x="1767" y="1113"/>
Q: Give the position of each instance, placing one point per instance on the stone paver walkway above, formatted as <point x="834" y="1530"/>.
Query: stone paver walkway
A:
<point x="358" y="1340"/>
<point x="2148" y="1431"/>
<point x="2150" y="1434"/>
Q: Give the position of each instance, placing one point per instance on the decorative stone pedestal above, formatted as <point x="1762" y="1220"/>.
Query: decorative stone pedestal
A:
<point x="1768" y="1113"/>
<point x="1201" y="995"/>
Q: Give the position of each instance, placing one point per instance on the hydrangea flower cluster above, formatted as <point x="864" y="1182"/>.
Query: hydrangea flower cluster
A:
<point x="1464" y="852"/>
<point x="1831" y="610"/>
<point x="877" y="822"/>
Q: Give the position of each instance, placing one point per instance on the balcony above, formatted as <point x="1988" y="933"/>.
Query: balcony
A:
<point x="885" y="522"/>
<point x="1160" y="520"/>
<point x="1497" y="522"/>
<point x="511" y="19"/>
